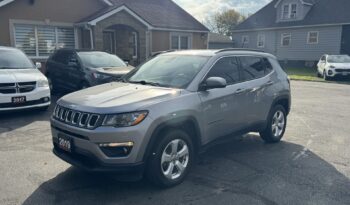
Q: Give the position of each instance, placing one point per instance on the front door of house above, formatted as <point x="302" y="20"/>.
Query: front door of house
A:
<point x="108" y="42"/>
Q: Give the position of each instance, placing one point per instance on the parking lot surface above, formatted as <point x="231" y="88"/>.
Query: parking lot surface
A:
<point x="310" y="166"/>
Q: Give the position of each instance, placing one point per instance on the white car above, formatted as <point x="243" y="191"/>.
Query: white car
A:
<point x="331" y="66"/>
<point x="22" y="85"/>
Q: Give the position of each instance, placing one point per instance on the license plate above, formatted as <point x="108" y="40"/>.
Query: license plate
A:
<point x="19" y="100"/>
<point x="65" y="143"/>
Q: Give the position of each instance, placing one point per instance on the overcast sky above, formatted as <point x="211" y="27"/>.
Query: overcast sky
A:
<point x="203" y="8"/>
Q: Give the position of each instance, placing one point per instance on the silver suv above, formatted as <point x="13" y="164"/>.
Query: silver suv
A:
<point x="169" y="109"/>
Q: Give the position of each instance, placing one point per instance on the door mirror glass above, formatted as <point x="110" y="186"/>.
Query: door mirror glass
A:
<point x="212" y="83"/>
<point x="38" y="65"/>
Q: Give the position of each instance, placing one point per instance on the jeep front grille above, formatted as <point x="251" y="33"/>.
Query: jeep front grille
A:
<point x="77" y="118"/>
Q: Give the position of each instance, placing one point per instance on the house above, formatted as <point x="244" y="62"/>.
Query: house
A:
<point x="132" y="29"/>
<point x="298" y="30"/>
<point x="217" y="41"/>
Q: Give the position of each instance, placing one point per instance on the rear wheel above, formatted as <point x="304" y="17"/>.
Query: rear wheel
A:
<point x="276" y="125"/>
<point x="172" y="160"/>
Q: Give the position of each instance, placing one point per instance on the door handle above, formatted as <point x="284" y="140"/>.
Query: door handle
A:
<point x="269" y="83"/>
<point x="240" y="91"/>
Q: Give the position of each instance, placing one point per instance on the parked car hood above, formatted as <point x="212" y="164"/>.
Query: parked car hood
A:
<point x="117" y="97"/>
<point x="20" y="75"/>
<point x="115" y="71"/>
<point x="341" y="65"/>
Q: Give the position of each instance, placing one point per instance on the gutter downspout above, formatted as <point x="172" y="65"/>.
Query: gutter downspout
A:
<point x="91" y="38"/>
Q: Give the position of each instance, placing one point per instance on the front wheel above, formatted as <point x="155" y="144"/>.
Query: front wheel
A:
<point x="172" y="159"/>
<point x="325" y="77"/>
<point x="276" y="125"/>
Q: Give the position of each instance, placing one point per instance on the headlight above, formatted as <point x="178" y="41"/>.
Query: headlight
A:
<point x="43" y="83"/>
<point x="125" y="119"/>
<point x="98" y="75"/>
<point x="332" y="66"/>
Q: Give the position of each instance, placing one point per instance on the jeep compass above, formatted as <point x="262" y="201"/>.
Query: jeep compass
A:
<point x="164" y="112"/>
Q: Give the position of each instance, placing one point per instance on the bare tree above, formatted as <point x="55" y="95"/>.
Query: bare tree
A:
<point x="224" y="22"/>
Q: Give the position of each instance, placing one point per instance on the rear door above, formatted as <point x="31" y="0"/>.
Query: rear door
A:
<point x="258" y="82"/>
<point x="221" y="107"/>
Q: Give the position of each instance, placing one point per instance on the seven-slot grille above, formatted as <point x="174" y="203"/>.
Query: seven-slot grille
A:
<point x="77" y="118"/>
<point x="11" y="88"/>
<point x="342" y="70"/>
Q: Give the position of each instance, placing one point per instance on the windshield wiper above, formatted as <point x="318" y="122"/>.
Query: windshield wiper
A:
<point x="143" y="82"/>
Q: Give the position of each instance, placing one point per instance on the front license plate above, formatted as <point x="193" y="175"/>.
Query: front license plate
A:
<point x="65" y="143"/>
<point x="19" y="100"/>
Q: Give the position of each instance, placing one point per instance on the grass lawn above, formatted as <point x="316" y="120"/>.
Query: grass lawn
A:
<point x="309" y="74"/>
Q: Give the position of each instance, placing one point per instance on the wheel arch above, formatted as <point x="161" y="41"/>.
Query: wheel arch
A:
<point x="185" y="123"/>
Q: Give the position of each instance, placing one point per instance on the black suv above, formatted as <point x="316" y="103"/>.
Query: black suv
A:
<point x="71" y="70"/>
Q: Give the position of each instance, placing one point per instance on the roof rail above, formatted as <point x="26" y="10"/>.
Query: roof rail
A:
<point x="161" y="52"/>
<point x="239" y="49"/>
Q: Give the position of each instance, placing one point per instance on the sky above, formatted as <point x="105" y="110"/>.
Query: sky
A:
<point x="200" y="9"/>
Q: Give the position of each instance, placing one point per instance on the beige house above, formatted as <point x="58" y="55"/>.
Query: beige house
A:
<point x="132" y="29"/>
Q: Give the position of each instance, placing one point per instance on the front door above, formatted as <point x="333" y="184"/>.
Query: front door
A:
<point x="108" y="41"/>
<point x="222" y="108"/>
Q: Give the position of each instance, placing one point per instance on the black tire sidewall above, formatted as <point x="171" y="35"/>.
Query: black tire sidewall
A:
<point x="154" y="172"/>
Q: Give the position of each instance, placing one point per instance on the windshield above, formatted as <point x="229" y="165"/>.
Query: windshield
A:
<point x="339" y="59"/>
<point x="100" y="60"/>
<point x="176" y="71"/>
<point x="14" y="59"/>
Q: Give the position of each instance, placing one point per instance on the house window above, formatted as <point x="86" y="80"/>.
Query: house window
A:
<point x="293" y="11"/>
<point x="180" y="41"/>
<point x="285" y="11"/>
<point x="245" y="40"/>
<point x="134" y="45"/>
<point x="261" y="41"/>
<point x="286" y="39"/>
<point x="289" y="11"/>
<point x="40" y="41"/>
<point x="312" y="37"/>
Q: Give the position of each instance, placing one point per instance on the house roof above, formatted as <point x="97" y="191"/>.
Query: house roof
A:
<point x="322" y="12"/>
<point x="157" y="13"/>
<point x="218" y="38"/>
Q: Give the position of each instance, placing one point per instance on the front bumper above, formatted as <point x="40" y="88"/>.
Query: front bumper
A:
<point x="35" y="99"/>
<point x="88" y="162"/>
<point x="338" y="73"/>
<point x="87" y="145"/>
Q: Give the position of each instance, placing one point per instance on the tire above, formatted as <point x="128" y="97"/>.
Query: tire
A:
<point x="273" y="133"/>
<point x="318" y="74"/>
<point x="164" y="158"/>
<point x="325" y="77"/>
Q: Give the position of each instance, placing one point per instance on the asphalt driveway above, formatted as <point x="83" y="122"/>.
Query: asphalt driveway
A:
<point x="310" y="166"/>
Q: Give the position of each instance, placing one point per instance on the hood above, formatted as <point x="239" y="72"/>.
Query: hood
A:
<point x="115" y="71"/>
<point x="20" y="75"/>
<point x="340" y="65"/>
<point x="117" y="97"/>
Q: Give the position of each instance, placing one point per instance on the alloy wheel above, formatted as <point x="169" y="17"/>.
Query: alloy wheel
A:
<point x="175" y="158"/>
<point x="278" y="124"/>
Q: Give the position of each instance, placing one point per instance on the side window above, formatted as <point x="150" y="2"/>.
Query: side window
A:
<point x="268" y="66"/>
<point x="226" y="68"/>
<point x="252" y="67"/>
<point x="323" y="58"/>
<point x="62" y="57"/>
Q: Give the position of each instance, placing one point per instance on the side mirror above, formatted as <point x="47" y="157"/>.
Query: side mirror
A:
<point x="127" y="63"/>
<point x="38" y="65"/>
<point x="212" y="83"/>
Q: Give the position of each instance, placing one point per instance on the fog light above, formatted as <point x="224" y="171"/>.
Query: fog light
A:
<point x="330" y="72"/>
<point x="123" y="144"/>
<point x="46" y="99"/>
<point x="116" y="149"/>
